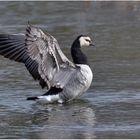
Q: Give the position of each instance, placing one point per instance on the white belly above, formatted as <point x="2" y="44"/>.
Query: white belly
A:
<point x="87" y="75"/>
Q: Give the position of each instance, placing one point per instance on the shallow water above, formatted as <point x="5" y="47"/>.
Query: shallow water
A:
<point x="110" y="108"/>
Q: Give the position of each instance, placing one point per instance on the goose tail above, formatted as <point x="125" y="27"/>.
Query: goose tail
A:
<point x="32" y="98"/>
<point x="47" y="98"/>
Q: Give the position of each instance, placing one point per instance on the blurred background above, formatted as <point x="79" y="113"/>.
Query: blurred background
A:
<point x="110" y="108"/>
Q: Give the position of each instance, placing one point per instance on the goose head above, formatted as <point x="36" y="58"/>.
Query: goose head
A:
<point x="85" y="41"/>
<point x="82" y="41"/>
<point x="78" y="56"/>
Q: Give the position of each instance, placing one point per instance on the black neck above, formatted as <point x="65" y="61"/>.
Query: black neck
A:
<point x="78" y="56"/>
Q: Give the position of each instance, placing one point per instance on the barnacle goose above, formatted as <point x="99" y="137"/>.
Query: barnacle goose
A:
<point x="43" y="58"/>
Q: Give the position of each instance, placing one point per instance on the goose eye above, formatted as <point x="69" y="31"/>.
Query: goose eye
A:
<point x="87" y="40"/>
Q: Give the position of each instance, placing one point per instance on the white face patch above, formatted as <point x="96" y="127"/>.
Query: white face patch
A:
<point x="84" y="41"/>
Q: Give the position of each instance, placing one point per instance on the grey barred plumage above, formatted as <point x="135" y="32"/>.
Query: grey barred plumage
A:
<point x="43" y="58"/>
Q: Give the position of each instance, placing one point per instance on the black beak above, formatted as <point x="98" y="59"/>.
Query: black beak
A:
<point x="91" y="44"/>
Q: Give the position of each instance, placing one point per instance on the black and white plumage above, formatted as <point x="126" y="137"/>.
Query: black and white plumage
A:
<point x="43" y="58"/>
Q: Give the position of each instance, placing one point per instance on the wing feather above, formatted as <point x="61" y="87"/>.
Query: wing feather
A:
<point x="53" y="66"/>
<point x="41" y="55"/>
<point x="13" y="47"/>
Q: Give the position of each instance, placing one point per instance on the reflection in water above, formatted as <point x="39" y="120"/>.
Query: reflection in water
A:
<point x="74" y="120"/>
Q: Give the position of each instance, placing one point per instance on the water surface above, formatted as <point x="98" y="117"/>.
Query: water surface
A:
<point x="110" y="108"/>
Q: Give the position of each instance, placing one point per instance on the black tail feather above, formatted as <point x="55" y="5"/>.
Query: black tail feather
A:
<point x="32" y="98"/>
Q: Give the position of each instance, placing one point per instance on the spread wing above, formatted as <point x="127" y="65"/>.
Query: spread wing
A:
<point x="41" y="55"/>
<point x="53" y="66"/>
<point x="13" y="47"/>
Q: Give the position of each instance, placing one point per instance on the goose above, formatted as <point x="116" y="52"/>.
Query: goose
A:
<point x="40" y="53"/>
